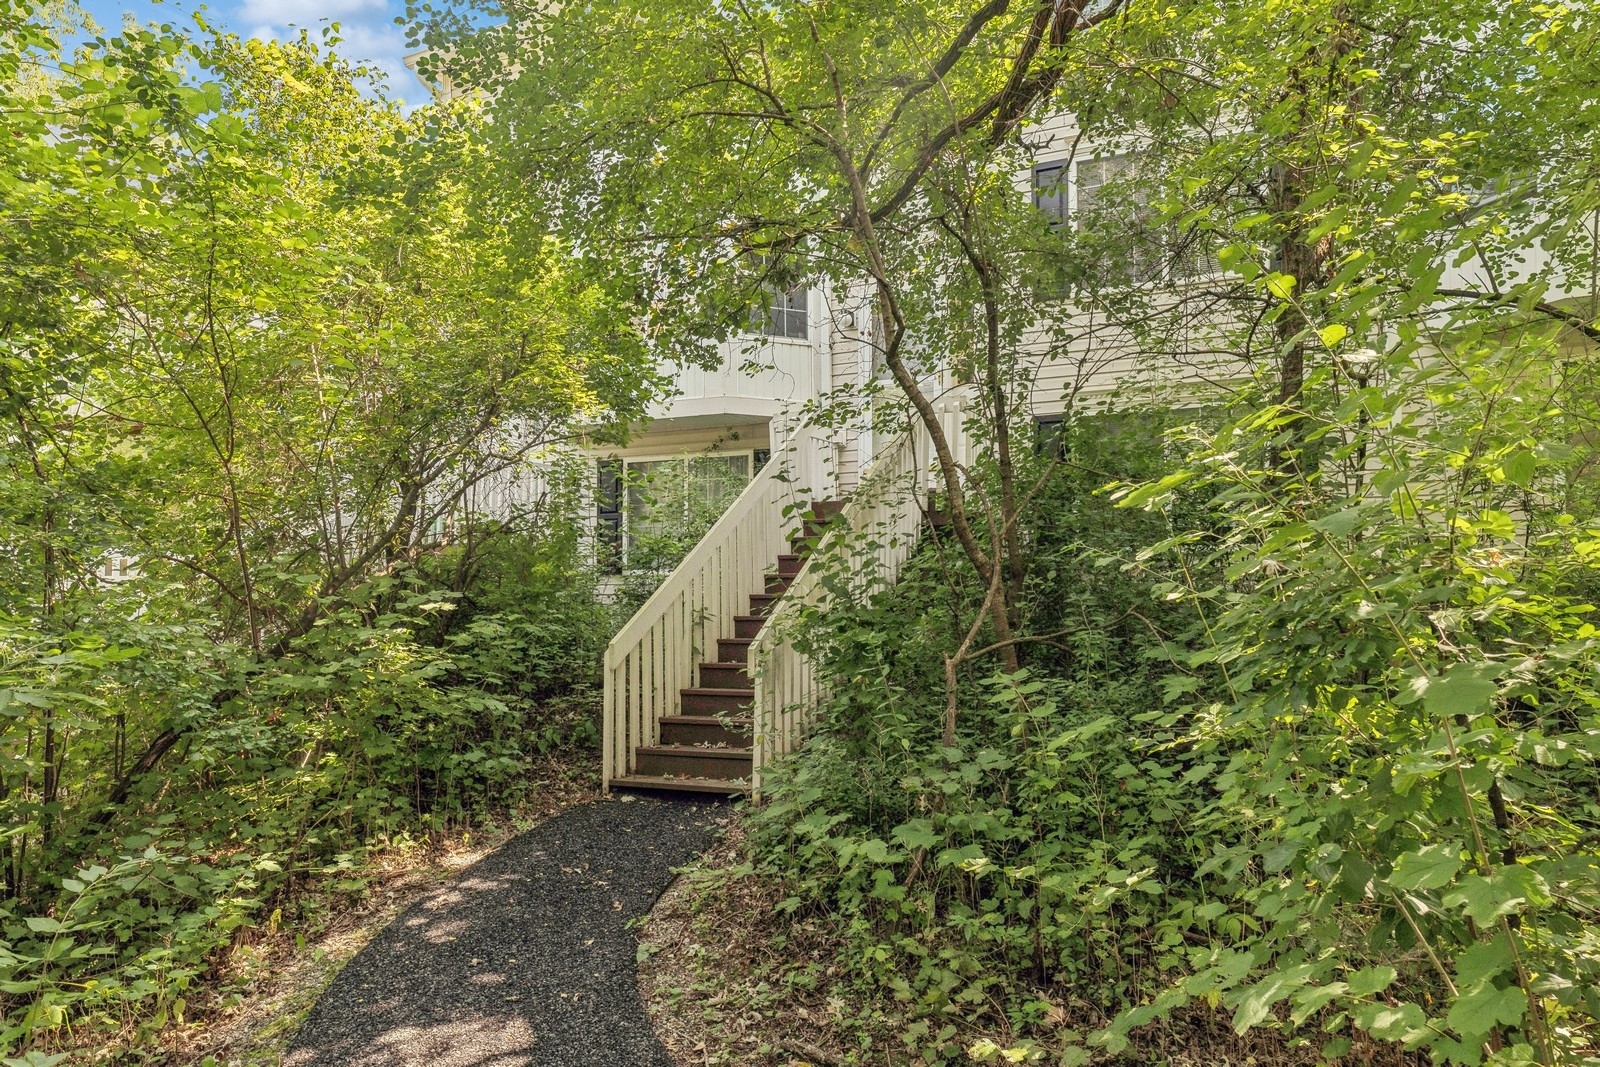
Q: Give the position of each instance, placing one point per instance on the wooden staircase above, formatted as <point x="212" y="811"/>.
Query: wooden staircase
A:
<point x="706" y="747"/>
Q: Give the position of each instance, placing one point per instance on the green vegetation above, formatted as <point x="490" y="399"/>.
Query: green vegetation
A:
<point x="673" y="503"/>
<point x="1302" y="731"/>
<point x="268" y="339"/>
<point x="1261" y="693"/>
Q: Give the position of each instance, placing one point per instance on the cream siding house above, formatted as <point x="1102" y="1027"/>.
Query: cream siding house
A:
<point x="703" y="685"/>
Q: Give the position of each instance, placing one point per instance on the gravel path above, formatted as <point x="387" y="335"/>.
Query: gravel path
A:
<point x="524" y="960"/>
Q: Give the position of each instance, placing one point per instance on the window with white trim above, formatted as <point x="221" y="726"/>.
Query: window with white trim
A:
<point x="1051" y="192"/>
<point x="666" y="496"/>
<point x="1104" y="197"/>
<point x="787" y="314"/>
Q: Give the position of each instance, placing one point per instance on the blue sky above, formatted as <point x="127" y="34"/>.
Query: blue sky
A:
<point x="370" y="34"/>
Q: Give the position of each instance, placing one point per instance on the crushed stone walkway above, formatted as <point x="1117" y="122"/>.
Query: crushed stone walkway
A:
<point x="525" y="959"/>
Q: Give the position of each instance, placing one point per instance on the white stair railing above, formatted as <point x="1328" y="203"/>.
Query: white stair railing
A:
<point x="654" y="655"/>
<point x="864" y="548"/>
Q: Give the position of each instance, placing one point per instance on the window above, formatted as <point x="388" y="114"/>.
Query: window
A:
<point x="117" y="567"/>
<point x="1050" y="192"/>
<point x="1050" y="436"/>
<point x="787" y="314"/>
<point x="1108" y="204"/>
<point x="608" y="516"/>
<point x="1095" y="174"/>
<point x="1124" y="210"/>
<point x="667" y="497"/>
<point x="1053" y="195"/>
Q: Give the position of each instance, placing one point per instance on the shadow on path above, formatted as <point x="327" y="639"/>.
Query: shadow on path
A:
<point x="523" y="960"/>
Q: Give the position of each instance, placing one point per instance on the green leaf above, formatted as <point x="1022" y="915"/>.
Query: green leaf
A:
<point x="876" y="850"/>
<point x="1281" y="285"/>
<point x="1309" y="1001"/>
<point x="1479" y="1012"/>
<point x="917" y="833"/>
<point x="1370" y="980"/>
<point x="1464" y="689"/>
<point x="1506" y="891"/>
<point x="1429" y="867"/>
<point x="1255" y="1005"/>
<point x="1519" y="468"/>
<point x="1484" y="960"/>
<point x="1390" y="1022"/>
<point x="1340" y="523"/>
<point x="1333" y="333"/>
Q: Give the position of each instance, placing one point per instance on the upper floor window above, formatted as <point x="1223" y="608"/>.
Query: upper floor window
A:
<point x="1085" y="195"/>
<point x="1132" y="201"/>
<point x="1050" y="192"/>
<point x="1106" y="201"/>
<point x="787" y="314"/>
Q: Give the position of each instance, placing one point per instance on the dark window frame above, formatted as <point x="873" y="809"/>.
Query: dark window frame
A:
<point x="608" y="515"/>
<point x="1051" y="191"/>
<point x="1061" y="191"/>
<point x="1049" y="436"/>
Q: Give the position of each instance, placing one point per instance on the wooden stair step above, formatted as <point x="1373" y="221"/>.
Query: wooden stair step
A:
<point x="813" y="524"/>
<point x="704" y="701"/>
<point x="670" y="784"/>
<point x="746" y="627"/>
<point x="725" y="676"/>
<point x="778" y="583"/>
<point x="761" y="603"/>
<point x="733" y="649"/>
<point x="732" y="730"/>
<point x="789" y="563"/>
<point x="693" y="761"/>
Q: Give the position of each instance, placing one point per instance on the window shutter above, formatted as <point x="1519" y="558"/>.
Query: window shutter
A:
<point x="608" y="515"/>
<point x="1050" y="191"/>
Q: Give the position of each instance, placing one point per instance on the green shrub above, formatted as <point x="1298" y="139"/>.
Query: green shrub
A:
<point x="287" y="772"/>
<point x="1318" y="751"/>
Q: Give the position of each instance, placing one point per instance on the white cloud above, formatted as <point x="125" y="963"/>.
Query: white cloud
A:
<point x="367" y="31"/>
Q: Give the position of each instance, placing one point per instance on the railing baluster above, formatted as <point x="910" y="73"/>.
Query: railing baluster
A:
<point x="655" y="654"/>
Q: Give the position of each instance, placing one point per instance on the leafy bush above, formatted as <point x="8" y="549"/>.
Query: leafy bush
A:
<point x="1316" y="750"/>
<point x="289" y="773"/>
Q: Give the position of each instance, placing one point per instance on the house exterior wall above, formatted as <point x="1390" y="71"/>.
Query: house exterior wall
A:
<point x="761" y="388"/>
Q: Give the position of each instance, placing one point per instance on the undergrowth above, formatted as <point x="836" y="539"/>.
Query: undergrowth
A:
<point x="1283" y="760"/>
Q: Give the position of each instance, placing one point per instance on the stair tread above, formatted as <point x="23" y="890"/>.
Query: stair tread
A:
<point x="732" y="720"/>
<point x="697" y="750"/>
<point x="711" y="691"/>
<point x="683" y="785"/>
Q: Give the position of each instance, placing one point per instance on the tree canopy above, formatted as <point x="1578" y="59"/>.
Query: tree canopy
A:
<point x="1357" y="251"/>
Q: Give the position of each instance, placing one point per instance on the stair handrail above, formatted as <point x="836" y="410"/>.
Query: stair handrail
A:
<point x="653" y="655"/>
<point x="870" y="540"/>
